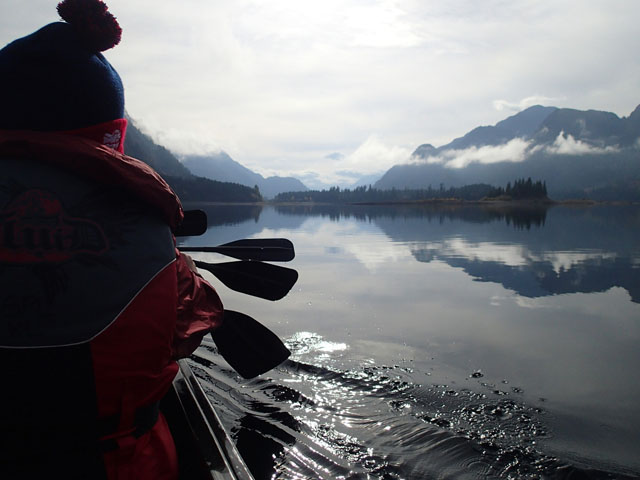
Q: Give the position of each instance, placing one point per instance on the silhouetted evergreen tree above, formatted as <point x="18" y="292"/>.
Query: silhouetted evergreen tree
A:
<point x="527" y="189"/>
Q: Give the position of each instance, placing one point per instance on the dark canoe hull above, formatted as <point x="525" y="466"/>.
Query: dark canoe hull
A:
<point x="205" y="449"/>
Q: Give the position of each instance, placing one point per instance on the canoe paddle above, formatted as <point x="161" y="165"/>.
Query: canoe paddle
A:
<point x="262" y="280"/>
<point x="247" y="345"/>
<point x="260" y="249"/>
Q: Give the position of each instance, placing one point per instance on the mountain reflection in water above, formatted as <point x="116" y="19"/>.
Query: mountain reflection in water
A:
<point x="441" y="343"/>
<point x="583" y="250"/>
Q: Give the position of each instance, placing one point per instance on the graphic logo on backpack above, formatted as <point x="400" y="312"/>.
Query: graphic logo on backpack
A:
<point x="35" y="228"/>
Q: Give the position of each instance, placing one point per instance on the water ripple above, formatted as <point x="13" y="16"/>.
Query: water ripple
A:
<point x="316" y="421"/>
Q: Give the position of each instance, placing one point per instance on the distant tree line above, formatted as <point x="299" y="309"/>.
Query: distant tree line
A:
<point x="374" y="195"/>
<point x="520" y="189"/>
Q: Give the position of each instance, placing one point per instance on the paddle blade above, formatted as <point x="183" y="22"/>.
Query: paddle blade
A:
<point x="262" y="280"/>
<point x="193" y="224"/>
<point x="262" y="249"/>
<point x="259" y="249"/>
<point x="247" y="345"/>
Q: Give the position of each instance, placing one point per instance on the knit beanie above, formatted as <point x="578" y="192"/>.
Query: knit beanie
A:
<point x="56" y="79"/>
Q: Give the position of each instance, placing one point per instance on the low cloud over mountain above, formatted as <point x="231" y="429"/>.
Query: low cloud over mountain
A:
<point x="575" y="152"/>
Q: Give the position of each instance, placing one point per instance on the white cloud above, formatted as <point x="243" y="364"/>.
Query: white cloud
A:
<point x="192" y="141"/>
<point x="535" y="303"/>
<point x="515" y="150"/>
<point x="566" y="144"/>
<point x="525" y="103"/>
<point x="281" y="84"/>
<point x="564" y="261"/>
<point x="374" y="155"/>
<point x="511" y="255"/>
<point x="384" y="24"/>
<point x="377" y="254"/>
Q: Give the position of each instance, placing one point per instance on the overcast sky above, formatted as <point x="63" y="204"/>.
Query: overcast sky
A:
<point x="318" y="89"/>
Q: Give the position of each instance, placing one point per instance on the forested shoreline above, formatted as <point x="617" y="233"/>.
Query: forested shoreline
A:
<point x="521" y="190"/>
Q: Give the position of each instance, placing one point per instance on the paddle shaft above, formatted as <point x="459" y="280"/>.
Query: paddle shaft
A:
<point x="260" y="249"/>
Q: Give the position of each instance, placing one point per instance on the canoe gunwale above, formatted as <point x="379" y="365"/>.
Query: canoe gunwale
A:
<point x="205" y="448"/>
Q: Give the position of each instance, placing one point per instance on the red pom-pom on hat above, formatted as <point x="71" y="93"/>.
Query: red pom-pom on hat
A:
<point x="91" y="19"/>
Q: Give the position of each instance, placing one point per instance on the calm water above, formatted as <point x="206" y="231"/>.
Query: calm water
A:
<point x="441" y="343"/>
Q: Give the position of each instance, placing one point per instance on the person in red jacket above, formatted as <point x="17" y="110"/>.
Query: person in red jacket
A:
<point x="96" y="302"/>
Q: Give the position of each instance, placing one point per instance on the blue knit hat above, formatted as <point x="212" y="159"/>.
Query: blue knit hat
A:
<point x="56" y="79"/>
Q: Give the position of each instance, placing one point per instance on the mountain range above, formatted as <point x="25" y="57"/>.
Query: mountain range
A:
<point x="188" y="186"/>
<point x="214" y="177"/>
<point x="591" y="153"/>
<point x="223" y="168"/>
<point x="578" y="153"/>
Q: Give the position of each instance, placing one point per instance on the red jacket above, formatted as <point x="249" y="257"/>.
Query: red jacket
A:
<point x="96" y="302"/>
